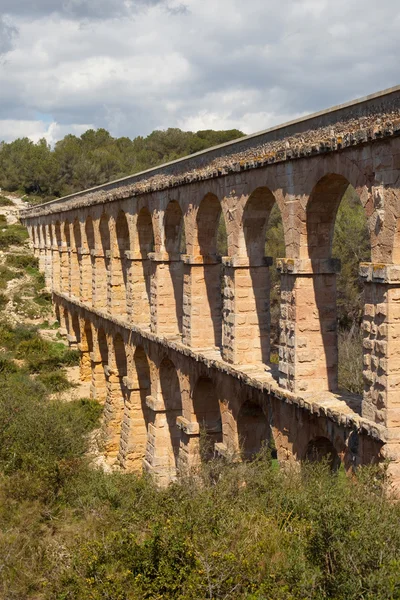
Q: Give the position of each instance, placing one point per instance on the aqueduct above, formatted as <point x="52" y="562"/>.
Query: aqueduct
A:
<point x="175" y="338"/>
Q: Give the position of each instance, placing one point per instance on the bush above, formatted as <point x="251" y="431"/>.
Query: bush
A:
<point x="7" y="275"/>
<point x="3" y="301"/>
<point x="12" y="235"/>
<point x="42" y="355"/>
<point x="22" y="261"/>
<point x="351" y="360"/>
<point x="55" y="381"/>
<point x="6" y="201"/>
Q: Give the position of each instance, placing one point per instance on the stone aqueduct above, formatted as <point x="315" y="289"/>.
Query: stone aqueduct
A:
<point x="175" y="342"/>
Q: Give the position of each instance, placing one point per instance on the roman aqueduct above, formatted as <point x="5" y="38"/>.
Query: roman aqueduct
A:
<point x="175" y="341"/>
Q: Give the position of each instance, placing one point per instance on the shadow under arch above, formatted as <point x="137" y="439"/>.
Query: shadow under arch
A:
<point x="145" y="235"/>
<point x="255" y="221"/>
<point x="207" y="411"/>
<point x="254" y="431"/>
<point x="90" y="247"/>
<point x="76" y="329"/>
<point x="207" y="223"/>
<point x="105" y="241"/>
<point x="103" y="346"/>
<point x="76" y="258"/>
<point x="175" y="245"/>
<point x="123" y="245"/>
<point x="321" y="213"/>
<point x="321" y="448"/>
<point x="171" y="395"/>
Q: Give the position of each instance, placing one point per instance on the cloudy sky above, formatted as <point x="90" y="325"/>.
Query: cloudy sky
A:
<point x="132" y="66"/>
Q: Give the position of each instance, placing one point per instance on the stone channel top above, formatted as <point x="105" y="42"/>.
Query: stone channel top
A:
<point x="357" y="122"/>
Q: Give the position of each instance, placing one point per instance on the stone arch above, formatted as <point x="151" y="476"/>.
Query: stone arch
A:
<point x="89" y="233"/>
<point x="121" y="362"/>
<point x="116" y="394"/>
<point x="207" y="221"/>
<point x="103" y="346"/>
<point x="89" y="261"/>
<point x="136" y="415"/>
<point x="57" y="230"/>
<point x="44" y="236"/>
<point x="87" y="349"/>
<point x="321" y="211"/>
<point x="321" y="448"/>
<point x="254" y="225"/>
<point x="172" y="401"/>
<point x="67" y="234"/>
<point x="174" y="233"/>
<point x="253" y="429"/>
<point x="174" y="230"/>
<point x="120" y="265"/>
<point x="75" y="328"/>
<point x="142" y="269"/>
<point x="103" y="263"/>
<point x="207" y="272"/>
<point x="76" y="258"/>
<point x="207" y="413"/>
<point x="317" y="297"/>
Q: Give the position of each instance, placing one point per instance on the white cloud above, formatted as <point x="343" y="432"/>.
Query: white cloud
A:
<point x="131" y="66"/>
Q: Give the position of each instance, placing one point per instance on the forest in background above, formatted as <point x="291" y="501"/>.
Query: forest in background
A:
<point x="76" y="163"/>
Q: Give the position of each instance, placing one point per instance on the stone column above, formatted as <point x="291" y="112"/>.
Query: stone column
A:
<point x="113" y="411"/>
<point x="202" y="302"/>
<point x="117" y="298"/>
<point x="48" y="268"/>
<point x="100" y="279"/>
<point x="166" y="294"/>
<point x="98" y="388"/>
<point x="129" y="286"/>
<point x="64" y="268"/>
<point x="56" y="270"/>
<point x="139" y="289"/>
<point x="246" y="311"/>
<point x="85" y="363"/>
<point x="160" y="460"/>
<point x="42" y="257"/>
<point x="308" y="355"/>
<point x="86" y="276"/>
<point x="381" y="354"/>
<point x="75" y="275"/>
<point x="134" y="430"/>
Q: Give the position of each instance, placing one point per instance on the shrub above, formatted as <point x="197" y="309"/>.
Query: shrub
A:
<point x="55" y="381"/>
<point x="22" y="261"/>
<point x="6" y="201"/>
<point x="12" y="235"/>
<point x="7" y="275"/>
<point x="42" y="355"/>
<point x="3" y="301"/>
<point x="351" y="360"/>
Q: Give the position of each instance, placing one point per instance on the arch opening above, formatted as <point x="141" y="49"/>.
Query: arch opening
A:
<point x="208" y="415"/>
<point x="336" y="226"/>
<point x="211" y="236"/>
<point x="253" y="429"/>
<point x="146" y="245"/>
<point x="175" y="244"/>
<point x="120" y="270"/>
<point x="322" y="449"/>
<point x="171" y="394"/>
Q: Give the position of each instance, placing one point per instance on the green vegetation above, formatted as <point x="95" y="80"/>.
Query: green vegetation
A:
<point x="94" y="158"/>
<point x="5" y="201"/>
<point x="231" y="531"/>
<point x="22" y="261"/>
<point x="12" y="235"/>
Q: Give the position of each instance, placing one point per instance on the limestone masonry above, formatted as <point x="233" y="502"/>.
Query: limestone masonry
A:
<point x="175" y="343"/>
